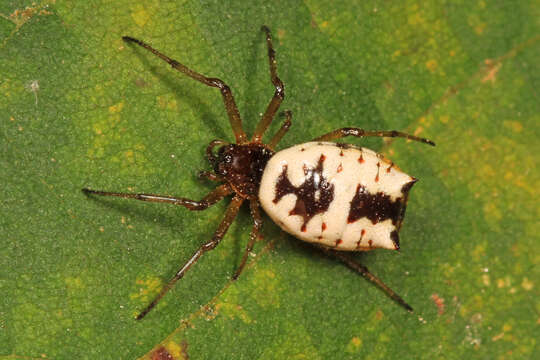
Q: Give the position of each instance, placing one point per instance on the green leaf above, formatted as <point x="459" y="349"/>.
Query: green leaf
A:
<point x="80" y="108"/>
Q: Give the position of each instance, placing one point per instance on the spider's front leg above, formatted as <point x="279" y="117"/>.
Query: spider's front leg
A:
<point x="226" y="93"/>
<point x="279" y="94"/>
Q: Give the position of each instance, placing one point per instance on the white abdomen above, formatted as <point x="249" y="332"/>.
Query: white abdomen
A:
<point x="337" y="195"/>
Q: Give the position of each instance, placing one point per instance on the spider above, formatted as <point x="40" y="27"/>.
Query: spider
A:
<point x="336" y="196"/>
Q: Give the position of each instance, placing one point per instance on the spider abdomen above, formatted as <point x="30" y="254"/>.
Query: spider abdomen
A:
<point x="337" y="195"/>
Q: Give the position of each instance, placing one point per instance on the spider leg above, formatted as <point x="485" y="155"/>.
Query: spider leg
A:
<point x="228" y="99"/>
<point x="230" y="214"/>
<point x="278" y="95"/>
<point x="213" y="197"/>
<point x="210" y="150"/>
<point x="362" y="270"/>
<point x="343" y="132"/>
<point x="203" y="174"/>
<point x="255" y="213"/>
<point x="282" y="130"/>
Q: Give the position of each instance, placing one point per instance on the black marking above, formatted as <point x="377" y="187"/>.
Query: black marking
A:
<point x="395" y="238"/>
<point x="405" y="191"/>
<point x="307" y="204"/>
<point x="344" y="146"/>
<point x="378" y="207"/>
<point x="407" y="187"/>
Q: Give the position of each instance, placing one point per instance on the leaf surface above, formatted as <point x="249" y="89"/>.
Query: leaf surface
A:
<point x="80" y="108"/>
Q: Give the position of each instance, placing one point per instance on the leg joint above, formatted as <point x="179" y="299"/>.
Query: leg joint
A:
<point x="352" y="131"/>
<point x="215" y="82"/>
<point x="280" y="90"/>
<point x="210" y="245"/>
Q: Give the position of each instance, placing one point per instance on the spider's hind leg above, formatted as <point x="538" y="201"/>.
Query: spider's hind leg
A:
<point x="362" y="270"/>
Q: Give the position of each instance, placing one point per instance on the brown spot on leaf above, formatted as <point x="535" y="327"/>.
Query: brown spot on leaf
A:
<point x="491" y="70"/>
<point x="161" y="354"/>
<point x="323" y="226"/>
<point x="439" y="302"/>
<point x="340" y="168"/>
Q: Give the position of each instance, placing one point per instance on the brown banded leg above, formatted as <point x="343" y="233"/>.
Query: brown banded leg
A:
<point x="362" y="270"/>
<point x="278" y="95"/>
<point x="282" y="130"/>
<point x="228" y="99"/>
<point x="213" y="197"/>
<point x="230" y="214"/>
<point x="343" y="132"/>
<point x="256" y="215"/>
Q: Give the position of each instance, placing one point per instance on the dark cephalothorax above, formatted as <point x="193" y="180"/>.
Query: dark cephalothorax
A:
<point x="242" y="166"/>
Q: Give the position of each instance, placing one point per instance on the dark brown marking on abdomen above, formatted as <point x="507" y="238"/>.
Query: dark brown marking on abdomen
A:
<point x="377" y="207"/>
<point x="307" y="204"/>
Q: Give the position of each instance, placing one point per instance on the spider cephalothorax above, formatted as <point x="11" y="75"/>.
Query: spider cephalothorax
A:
<point x="242" y="166"/>
<point x="336" y="196"/>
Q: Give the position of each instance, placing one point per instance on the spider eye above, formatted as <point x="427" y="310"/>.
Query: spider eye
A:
<point x="223" y="162"/>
